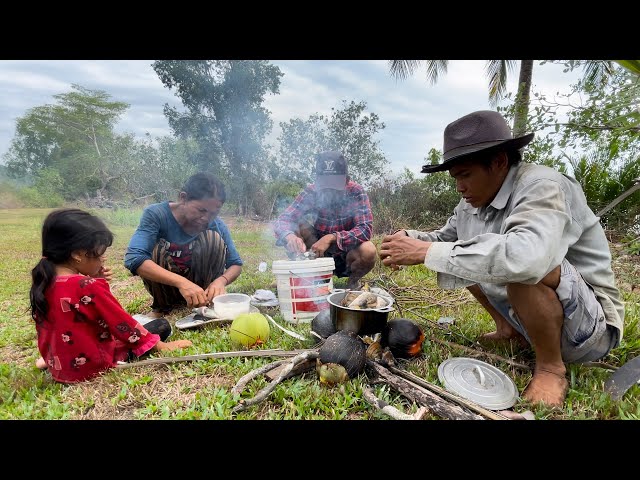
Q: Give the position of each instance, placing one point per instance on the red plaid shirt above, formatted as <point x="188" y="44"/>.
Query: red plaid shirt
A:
<point x="351" y="220"/>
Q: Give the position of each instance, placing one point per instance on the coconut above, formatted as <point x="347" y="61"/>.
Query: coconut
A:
<point x="346" y="349"/>
<point x="322" y="324"/>
<point x="404" y="338"/>
<point x="250" y="330"/>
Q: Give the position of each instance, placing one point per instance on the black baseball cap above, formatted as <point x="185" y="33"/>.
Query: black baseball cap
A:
<point x="331" y="170"/>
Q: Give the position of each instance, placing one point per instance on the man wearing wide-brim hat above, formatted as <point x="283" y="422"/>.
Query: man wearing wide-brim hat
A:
<point x="525" y="243"/>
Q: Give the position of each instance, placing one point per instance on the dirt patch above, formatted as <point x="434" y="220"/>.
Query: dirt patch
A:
<point x="19" y="357"/>
<point x="626" y="268"/>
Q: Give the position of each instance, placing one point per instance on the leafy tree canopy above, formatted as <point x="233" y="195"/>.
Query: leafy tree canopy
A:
<point x="348" y="129"/>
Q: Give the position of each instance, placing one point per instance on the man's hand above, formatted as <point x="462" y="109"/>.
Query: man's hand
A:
<point x="323" y="244"/>
<point x="193" y="294"/>
<point x="295" y="244"/>
<point x="217" y="287"/>
<point x="399" y="249"/>
<point x="105" y="272"/>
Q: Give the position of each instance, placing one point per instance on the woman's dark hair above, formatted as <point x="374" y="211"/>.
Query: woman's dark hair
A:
<point x="204" y="185"/>
<point x="64" y="231"/>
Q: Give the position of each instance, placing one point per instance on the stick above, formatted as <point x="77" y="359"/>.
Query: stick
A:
<point x="387" y="409"/>
<point x="420" y="395"/>
<point x="448" y="395"/>
<point x="486" y="354"/>
<point x="264" y="393"/>
<point x="237" y="389"/>
<point x="618" y="199"/>
<point x="242" y="353"/>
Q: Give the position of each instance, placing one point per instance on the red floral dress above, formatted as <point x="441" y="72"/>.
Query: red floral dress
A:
<point x="86" y="330"/>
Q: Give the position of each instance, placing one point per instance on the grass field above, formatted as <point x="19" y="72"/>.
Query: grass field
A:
<point x="201" y="389"/>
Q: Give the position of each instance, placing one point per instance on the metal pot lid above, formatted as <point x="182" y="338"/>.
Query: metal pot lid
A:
<point x="479" y="382"/>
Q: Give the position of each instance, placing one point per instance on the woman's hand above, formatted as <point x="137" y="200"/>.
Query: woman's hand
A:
<point x="217" y="287"/>
<point x="193" y="294"/>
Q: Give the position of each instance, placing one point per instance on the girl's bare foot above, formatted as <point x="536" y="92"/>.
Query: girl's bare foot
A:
<point x="546" y="387"/>
<point x="168" y="346"/>
<point x="41" y="364"/>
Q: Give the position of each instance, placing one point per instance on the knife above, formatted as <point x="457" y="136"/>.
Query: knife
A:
<point x="623" y="378"/>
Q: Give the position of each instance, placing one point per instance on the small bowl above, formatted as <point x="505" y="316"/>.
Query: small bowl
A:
<point x="230" y="305"/>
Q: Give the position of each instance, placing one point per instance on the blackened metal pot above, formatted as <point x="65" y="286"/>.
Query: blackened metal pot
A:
<point x="359" y="321"/>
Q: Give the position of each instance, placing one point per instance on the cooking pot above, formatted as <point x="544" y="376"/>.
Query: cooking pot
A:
<point x="366" y="321"/>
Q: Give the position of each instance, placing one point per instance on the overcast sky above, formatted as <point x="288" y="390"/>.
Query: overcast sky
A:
<point x="415" y="113"/>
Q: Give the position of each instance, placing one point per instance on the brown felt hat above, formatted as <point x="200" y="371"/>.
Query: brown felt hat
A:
<point x="475" y="132"/>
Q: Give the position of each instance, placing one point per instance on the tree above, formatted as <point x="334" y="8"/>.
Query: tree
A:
<point x="596" y="71"/>
<point x="348" y="129"/>
<point x="595" y="129"/>
<point x="71" y="137"/>
<point x="497" y="71"/>
<point x="632" y="65"/>
<point x="225" y="116"/>
<point x="81" y="120"/>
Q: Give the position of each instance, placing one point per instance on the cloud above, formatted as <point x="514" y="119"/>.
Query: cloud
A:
<point x="414" y="112"/>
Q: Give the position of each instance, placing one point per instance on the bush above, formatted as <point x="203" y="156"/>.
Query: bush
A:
<point x="406" y="202"/>
<point x="32" y="197"/>
<point x="9" y="196"/>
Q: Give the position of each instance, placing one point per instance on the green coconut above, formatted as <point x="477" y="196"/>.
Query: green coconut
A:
<point x="250" y="330"/>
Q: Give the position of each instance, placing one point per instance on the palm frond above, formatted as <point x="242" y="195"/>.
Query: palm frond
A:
<point x="596" y="73"/>
<point x="632" y="65"/>
<point x="497" y="72"/>
<point x="402" y="69"/>
<point x="435" y="68"/>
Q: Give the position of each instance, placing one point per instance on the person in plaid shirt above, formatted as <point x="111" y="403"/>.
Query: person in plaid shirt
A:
<point x="332" y="218"/>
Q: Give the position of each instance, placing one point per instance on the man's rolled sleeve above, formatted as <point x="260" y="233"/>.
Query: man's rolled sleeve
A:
<point x="437" y="257"/>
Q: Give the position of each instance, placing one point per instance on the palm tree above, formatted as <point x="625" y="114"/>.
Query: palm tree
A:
<point x="497" y="70"/>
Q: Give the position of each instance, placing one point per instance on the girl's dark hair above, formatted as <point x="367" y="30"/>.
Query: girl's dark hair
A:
<point x="204" y="185"/>
<point x="64" y="231"/>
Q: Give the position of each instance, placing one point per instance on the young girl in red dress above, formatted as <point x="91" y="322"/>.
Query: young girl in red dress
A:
<point x="82" y="328"/>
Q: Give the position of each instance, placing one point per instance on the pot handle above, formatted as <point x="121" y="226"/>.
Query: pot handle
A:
<point x="338" y="290"/>
<point x="386" y="309"/>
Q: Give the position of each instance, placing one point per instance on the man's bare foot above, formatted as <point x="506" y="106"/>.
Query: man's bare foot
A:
<point x="504" y="338"/>
<point x="546" y="387"/>
<point x="41" y="364"/>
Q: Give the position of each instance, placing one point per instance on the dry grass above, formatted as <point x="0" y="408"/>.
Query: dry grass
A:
<point x="102" y="397"/>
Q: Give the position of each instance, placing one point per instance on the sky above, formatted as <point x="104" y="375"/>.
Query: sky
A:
<point x="414" y="111"/>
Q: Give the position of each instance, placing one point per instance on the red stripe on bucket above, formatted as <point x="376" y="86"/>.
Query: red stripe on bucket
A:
<point x="317" y="286"/>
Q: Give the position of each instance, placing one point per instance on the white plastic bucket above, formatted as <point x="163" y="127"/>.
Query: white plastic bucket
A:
<point x="303" y="287"/>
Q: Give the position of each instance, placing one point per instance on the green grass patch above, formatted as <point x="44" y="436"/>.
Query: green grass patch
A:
<point x="202" y="389"/>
